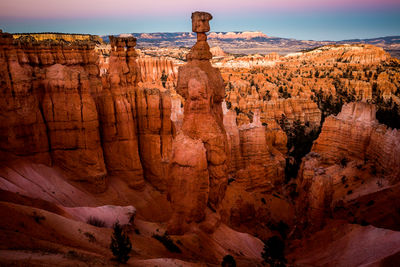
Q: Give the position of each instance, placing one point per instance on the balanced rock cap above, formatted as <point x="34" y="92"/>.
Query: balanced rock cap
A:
<point x="200" y="21"/>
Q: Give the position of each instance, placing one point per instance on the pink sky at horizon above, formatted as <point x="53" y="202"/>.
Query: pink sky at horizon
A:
<point x="105" y="8"/>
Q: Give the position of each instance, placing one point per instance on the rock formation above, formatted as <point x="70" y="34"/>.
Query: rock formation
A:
<point x="198" y="160"/>
<point x="117" y="110"/>
<point x="152" y="69"/>
<point x="46" y="96"/>
<point x="256" y="168"/>
<point x="357" y="135"/>
<point x="198" y="172"/>
<point x="59" y="37"/>
<point x="345" y="165"/>
<point x="216" y="51"/>
<point x="62" y="112"/>
<point x="154" y="133"/>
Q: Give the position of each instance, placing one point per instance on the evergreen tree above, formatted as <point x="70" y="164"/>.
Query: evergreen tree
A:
<point x="164" y="78"/>
<point x="120" y="244"/>
<point x="273" y="252"/>
<point x="228" y="261"/>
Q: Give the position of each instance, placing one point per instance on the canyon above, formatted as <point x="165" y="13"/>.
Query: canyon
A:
<point x="248" y="42"/>
<point x="218" y="153"/>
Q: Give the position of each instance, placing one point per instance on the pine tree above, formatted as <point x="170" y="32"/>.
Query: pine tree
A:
<point x="164" y="78"/>
<point x="120" y="244"/>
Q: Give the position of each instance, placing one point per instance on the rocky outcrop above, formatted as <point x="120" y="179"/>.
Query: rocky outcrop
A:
<point x="252" y="158"/>
<point x="356" y="54"/>
<point x="47" y="100"/>
<point x="62" y="111"/>
<point x="22" y="128"/>
<point x="217" y="51"/>
<point x="202" y="181"/>
<point x="117" y="112"/>
<point x="153" y="68"/>
<point x="357" y="135"/>
<point x="154" y="133"/>
<point x="345" y="168"/>
<point x="255" y="168"/>
<point x="59" y="37"/>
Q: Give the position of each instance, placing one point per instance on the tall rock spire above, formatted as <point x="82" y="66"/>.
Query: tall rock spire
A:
<point x="198" y="172"/>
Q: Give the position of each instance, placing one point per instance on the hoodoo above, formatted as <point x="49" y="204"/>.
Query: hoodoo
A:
<point x="198" y="173"/>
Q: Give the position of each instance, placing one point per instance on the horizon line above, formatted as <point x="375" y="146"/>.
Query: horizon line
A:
<point x="268" y="36"/>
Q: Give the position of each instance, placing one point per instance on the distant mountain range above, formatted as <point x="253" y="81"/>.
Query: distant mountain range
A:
<point x="253" y="42"/>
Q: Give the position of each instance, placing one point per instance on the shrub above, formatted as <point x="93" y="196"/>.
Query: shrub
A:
<point x="96" y="222"/>
<point x="38" y="218"/>
<point x="90" y="237"/>
<point x="343" y="162"/>
<point x="230" y="180"/>
<point x="273" y="252"/>
<point x="299" y="143"/>
<point x="164" y="78"/>
<point x="120" y="245"/>
<point x="228" y="261"/>
<point x="167" y="242"/>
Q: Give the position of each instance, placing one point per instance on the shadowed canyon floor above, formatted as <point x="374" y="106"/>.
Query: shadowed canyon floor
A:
<point x="199" y="150"/>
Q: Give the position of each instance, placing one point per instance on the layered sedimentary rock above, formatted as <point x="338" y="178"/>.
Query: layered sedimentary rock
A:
<point x="357" y="135"/>
<point x="62" y="111"/>
<point x="201" y="182"/>
<point x="117" y="109"/>
<point x="217" y="51"/>
<point x="23" y="130"/>
<point x="48" y="105"/>
<point x="252" y="157"/>
<point x="255" y="169"/>
<point x="354" y="158"/>
<point x="154" y="133"/>
<point x="152" y="69"/>
<point x="60" y="37"/>
<point x="356" y="54"/>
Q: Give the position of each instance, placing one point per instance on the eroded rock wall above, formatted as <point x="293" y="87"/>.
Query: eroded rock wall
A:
<point x="58" y="109"/>
<point x="48" y="111"/>
<point x="353" y="159"/>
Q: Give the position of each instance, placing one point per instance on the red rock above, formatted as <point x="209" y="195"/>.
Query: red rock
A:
<point x="155" y="133"/>
<point x="52" y="86"/>
<point x="202" y="88"/>
<point x="117" y="111"/>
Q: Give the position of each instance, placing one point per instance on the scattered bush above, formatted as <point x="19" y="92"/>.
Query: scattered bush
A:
<point x="370" y="203"/>
<point x="273" y="252"/>
<point x="343" y="162"/>
<point x="95" y="222"/>
<point x="281" y="227"/>
<point x="237" y="110"/>
<point x="299" y="143"/>
<point x="230" y="180"/>
<point x="164" y="78"/>
<point x="38" y="218"/>
<point x="167" y="242"/>
<point x="228" y="261"/>
<point x="90" y="237"/>
<point x="120" y="245"/>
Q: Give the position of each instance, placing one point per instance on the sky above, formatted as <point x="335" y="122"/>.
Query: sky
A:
<point x="300" y="19"/>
